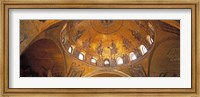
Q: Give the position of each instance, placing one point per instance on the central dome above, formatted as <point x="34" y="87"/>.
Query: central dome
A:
<point x="106" y="26"/>
<point x="108" y="42"/>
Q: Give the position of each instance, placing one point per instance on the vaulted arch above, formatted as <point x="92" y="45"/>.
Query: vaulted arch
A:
<point x="42" y="58"/>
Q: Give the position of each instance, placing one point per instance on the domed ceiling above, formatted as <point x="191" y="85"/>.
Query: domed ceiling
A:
<point x="100" y="48"/>
<point x="108" y="42"/>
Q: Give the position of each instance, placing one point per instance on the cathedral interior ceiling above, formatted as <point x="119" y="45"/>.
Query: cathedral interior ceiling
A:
<point x="100" y="48"/>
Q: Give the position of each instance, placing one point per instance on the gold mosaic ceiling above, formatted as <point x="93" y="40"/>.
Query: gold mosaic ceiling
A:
<point x="108" y="39"/>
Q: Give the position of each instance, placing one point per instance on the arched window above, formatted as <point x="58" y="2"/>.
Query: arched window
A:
<point x="81" y="56"/>
<point x="151" y="26"/>
<point x="132" y="56"/>
<point x="149" y="39"/>
<point x="143" y="49"/>
<point x="64" y="40"/>
<point x="70" y="49"/>
<point x="93" y="60"/>
<point x="106" y="62"/>
<point x="119" y="61"/>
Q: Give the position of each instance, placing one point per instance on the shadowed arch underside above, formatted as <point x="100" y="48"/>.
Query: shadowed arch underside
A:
<point x="42" y="58"/>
